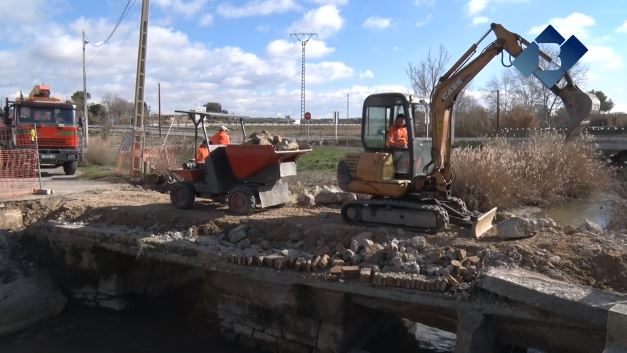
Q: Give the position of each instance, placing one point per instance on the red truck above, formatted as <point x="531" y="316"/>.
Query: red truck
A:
<point x="58" y="129"/>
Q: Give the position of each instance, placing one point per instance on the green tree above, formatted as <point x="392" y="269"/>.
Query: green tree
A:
<point x="97" y="113"/>
<point x="213" y="107"/>
<point x="78" y="99"/>
<point x="606" y="103"/>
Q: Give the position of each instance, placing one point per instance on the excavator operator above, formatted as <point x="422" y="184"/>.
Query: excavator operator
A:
<point x="398" y="133"/>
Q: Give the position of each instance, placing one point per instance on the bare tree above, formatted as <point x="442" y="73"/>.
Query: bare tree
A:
<point x="119" y="110"/>
<point x="425" y="76"/>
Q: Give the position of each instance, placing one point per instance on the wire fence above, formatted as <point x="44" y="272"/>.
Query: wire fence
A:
<point x="18" y="162"/>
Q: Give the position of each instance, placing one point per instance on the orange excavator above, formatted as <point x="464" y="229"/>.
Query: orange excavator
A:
<point x="411" y="187"/>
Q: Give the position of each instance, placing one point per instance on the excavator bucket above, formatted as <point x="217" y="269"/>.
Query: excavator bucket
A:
<point x="578" y="104"/>
<point x="482" y="224"/>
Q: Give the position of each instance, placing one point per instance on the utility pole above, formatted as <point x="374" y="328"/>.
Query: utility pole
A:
<point x="347" y="95"/>
<point x="159" y="100"/>
<point x="137" y="153"/>
<point x="303" y="38"/>
<point x="85" y="115"/>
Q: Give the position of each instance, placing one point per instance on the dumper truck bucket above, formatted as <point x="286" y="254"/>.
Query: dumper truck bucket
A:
<point x="482" y="224"/>
<point x="578" y="104"/>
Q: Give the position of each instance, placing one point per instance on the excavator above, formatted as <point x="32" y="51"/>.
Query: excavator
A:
<point x="411" y="187"/>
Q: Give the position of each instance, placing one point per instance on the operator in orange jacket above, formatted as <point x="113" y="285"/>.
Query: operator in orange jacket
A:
<point x="202" y="152"/>
<point x="221" y="137"/>
<point x="397" y="136"/>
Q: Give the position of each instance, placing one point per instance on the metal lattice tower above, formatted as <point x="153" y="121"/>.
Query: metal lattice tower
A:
<point x="303" y="38"/>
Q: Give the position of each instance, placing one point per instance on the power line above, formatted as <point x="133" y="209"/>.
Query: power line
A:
<point x="124" y="12"/>
<point x="127" y="7"/>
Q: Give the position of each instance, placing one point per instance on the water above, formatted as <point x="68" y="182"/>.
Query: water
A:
<point x="597" y="208"/>
<point x="154" y="329"/>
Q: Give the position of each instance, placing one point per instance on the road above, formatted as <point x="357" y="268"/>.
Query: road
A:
<point x="56" y="180"/>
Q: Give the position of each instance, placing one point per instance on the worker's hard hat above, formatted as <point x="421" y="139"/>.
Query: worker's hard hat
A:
<point x="223" y="128"/>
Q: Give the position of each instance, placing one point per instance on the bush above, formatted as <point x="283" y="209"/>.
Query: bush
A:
<point x="541" y="171"/>
<point x="100" y="152"/>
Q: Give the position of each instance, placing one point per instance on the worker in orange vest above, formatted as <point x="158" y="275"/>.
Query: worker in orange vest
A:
<point x="202" y="152"/>
<point x="398" y="133"/>
<point x="221" y="137"/>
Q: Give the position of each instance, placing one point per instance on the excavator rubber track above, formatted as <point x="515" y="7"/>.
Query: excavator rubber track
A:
<point x="421" y="217"/>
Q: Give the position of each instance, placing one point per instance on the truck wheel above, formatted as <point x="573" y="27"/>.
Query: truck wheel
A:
<point x="182" y="196"/>
<point x="70" y="168"/>
<point x="242" y="200"/>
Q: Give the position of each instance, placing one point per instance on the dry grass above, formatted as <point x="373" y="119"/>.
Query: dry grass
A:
<point x="542" y="171"/>
<point x="100" y="152"/>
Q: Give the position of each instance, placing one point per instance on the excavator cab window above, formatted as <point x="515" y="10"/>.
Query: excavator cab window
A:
<point x="376" y="127"/>
<point x="422" y="141"/>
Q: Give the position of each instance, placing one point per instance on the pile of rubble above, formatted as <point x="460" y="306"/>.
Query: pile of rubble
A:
<point x="266" y="138"/>
<point x="406" y="263"/>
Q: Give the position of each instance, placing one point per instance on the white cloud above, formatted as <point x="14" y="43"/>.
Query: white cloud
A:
<point x="26" y="12"/>
<point x="206" y="20"/>
<point x="424" y="21"/>
<point x="476" y="6"/>
<point x="325" y="20"/>
<point x="330" y="2"/>
<point x="186" y="8"/>
<point x="622" y="28"/>
<point x="603" y="57"/>
<point x="480" y="20"/>
<point x="377" y="22"/>
<point x="574" y="24"/>
<point x="364" y="75"/>
<point x="327" y="71"/>
<point x="256" y="8"/>
<point x="282" y="48"/>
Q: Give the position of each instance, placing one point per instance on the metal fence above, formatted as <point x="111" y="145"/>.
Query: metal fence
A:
<point x="18" y="162"/>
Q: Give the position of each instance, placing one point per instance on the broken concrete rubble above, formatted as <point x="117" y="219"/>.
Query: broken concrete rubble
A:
<point x="521" y="227"/>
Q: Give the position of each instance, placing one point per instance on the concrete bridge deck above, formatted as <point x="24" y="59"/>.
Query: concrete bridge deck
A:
<point x="319" y="312"/>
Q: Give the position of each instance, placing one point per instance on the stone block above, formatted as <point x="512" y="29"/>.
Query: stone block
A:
<point x="301" y="329"/>
<point x="287" y="346"/>
<point x="115" y="304"/>
<point x="324" y="261"/>
<point x="616" y="335"/>
<point x="365" y="274"/>
<point x="111" y="285"/>
<point x="240" y="329"/>
<point x="350" y="272"/>
<point x="11" y="219"/>
<point x="266" y="341"/>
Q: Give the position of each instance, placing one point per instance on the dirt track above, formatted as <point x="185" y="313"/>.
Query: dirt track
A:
<point x="597" y="259"/>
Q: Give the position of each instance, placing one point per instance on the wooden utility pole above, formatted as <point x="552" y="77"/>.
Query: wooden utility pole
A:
<point x="159" y="99"/>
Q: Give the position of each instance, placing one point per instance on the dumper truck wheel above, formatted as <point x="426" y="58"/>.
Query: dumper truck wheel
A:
<point x="182" y="195"/>
<point x="242" y="200"/>
<point x="70" y="167"/>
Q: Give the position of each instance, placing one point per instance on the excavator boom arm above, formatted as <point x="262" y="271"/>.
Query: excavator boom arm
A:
<point x="577" y="103"/>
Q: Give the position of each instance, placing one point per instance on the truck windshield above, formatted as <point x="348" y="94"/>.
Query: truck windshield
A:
<point x="45" y="115"/>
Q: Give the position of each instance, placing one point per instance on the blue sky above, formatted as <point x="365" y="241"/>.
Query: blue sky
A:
<point x="240" y="54"/>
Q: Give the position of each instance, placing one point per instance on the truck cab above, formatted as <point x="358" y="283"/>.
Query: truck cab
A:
<point x="56" y="125"/>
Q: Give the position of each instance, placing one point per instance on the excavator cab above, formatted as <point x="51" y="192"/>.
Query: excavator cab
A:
<point x="379" y="114"/>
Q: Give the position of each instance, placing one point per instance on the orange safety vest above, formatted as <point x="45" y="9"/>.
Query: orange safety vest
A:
<point x="201" y="154"/>
<point x="220" y="138"/>
<point x="398" y="137"/>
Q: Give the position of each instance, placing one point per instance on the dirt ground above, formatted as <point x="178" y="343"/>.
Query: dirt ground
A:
<point x="593" y="258"/>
